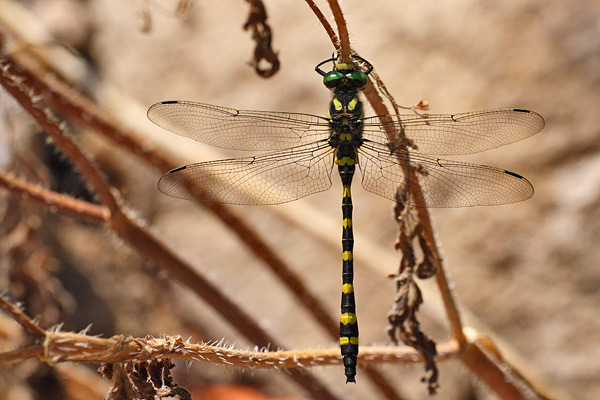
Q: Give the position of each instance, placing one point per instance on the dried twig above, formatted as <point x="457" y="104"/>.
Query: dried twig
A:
<point x="19" y="316"/>
<point x="261" y="33"/>
<point x="56" y="346"/>
<point x="64" y="204"/>
<point x="343" y="36"/>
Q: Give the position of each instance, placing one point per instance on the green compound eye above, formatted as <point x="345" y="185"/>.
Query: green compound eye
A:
<point x="358" y="78"/>
<point x="332" y="79"/>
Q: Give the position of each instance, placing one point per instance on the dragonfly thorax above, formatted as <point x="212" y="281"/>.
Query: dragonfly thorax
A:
<point x="345" y="103"/>
<point x="345" y="117"/>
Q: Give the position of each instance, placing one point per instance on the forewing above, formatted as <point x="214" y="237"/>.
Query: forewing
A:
<point x="238" y="129"/>
<point x="444" y="183"/>
<point x="456" y="134"/>
<point x="271" y="178"/>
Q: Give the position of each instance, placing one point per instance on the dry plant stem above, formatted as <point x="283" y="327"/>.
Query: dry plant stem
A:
<point x="63" y="204"/>
<point x="340" y="21"/>
<point x="19" y="316"/>
<point x="451" y="310"/>
<point x="498" y="375"/>
<point x="16" y="84"/>
<point x="440" y="277"/>
<point x="20" y="354"/>
<point x="501" y="377"/>
<point x="76" y="347"/>
<point x="326" y="25"/>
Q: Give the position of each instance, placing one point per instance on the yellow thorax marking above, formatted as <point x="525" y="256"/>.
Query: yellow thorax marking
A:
<point x="337" y="104"/>
<point x="352" y="103"/>
<point x="347" y="288"/>
<point x="346" y="136"/>
<point x="348" y="318"/>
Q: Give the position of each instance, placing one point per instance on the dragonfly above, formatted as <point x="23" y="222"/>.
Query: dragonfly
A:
<point x="301" y="151"/>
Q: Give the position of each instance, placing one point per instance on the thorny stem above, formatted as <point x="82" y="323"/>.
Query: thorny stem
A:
<point x="326" y="25"/>
<point x="78" y="347"/>
<point x="340" y="21"/>
<point x="63" y="203"/>
<point x="16" y="83"/>
<point x="423" y="214"/>
<point x="15" y="313"/>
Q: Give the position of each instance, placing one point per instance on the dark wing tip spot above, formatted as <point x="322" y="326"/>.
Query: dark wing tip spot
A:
<point x="170" y="102"/>
<point x="177" y="170"/>
<point x="521" y="110"/>
<point x="514" y="174"/>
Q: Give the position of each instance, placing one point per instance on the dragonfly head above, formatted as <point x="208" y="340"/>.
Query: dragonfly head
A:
<point x="345" y="75"/>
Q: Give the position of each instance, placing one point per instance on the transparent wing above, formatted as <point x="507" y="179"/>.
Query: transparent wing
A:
<point x="456" y="134"/>
<point x="444" y="183"/>
<point x="238" y="129"/>
<point x="271" y="178"/>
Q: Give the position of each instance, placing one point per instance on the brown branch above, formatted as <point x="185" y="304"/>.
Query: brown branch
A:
<point x="424" y="344"/>
<point x="76" y="347"/>
<point x="480" y="355"/>
<point x="18" y="85"/>
<point x="63" y="203"/>
<point x="423" y="215"/>
<point x="340" y="21"/>
<point x="19" y="316"/>
<point x="441" y="277"/>
<point x="326" y="25"/>
<point x="20" y="354"/>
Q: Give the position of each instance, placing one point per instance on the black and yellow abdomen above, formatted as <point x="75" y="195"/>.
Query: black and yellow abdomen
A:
<point x="348" y="322"/>
<point x="345" y="114"/>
